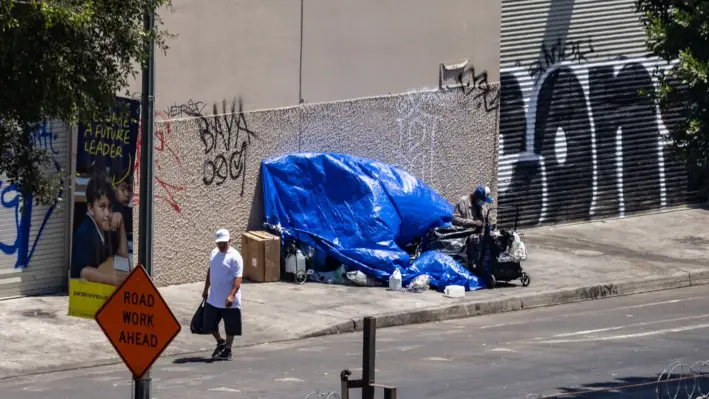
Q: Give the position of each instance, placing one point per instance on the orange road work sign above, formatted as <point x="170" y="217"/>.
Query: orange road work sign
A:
<point x="138" y="322"/>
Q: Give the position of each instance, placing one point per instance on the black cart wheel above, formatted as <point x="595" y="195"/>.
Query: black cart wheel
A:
<point x="301" y="277"/>
<point x="525" y="279"/>
<point x="491" y="281"/>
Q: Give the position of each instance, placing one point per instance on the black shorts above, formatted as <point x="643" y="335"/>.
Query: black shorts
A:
<point x="231" y="316"/>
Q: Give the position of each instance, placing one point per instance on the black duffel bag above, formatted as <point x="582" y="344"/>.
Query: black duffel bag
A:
<point x="197" y="324"/>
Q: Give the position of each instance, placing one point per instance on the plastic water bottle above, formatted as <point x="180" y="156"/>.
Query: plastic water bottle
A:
<point x="395" y="280"/>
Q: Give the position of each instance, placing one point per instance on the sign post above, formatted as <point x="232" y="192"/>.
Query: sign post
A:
<point x="138" y="322"/>
<point x="147" y="181"/>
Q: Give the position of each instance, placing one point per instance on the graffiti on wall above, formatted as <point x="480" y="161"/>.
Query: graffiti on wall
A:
<point x="11" y="200"/>
<point x="164" y="190"/>
<point x="417" y="133"/>
<point x="583" y="138"/>
<point x="226" y="138"/>
<point x="186" y="110"/>
<point x="463" y="76"/>
<point x="570" y="51"/>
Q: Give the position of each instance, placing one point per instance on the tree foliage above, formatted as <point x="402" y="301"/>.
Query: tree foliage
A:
<point x="63" y="60"/>
<point x="678" y="30"/>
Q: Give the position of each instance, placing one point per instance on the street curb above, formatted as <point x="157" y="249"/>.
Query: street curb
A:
<point x="469" y="308"/>
<point x="456" y="310"/>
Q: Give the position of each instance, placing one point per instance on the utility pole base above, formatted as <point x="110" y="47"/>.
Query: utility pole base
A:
<point x="141" y="388"/>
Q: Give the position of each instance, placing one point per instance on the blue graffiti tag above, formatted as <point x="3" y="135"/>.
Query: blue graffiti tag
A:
<point x="10" y="198"/>
<point x="44" y="137"/>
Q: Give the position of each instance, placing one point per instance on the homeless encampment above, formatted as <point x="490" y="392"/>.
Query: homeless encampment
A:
<point x="360" y="213"/>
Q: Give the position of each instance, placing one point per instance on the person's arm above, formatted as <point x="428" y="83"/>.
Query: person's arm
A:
<point x="117" y="223"/>
<point x="92" y="274"/>
<point x="205" y="293"/>
<point x="459" y="220"/>
<point x="237" y="267"/>
<point x="122" y="242"/>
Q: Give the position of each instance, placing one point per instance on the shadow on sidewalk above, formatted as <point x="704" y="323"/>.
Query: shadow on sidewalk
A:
<point x="666" y="386"/>
<point x="193" y="359"/>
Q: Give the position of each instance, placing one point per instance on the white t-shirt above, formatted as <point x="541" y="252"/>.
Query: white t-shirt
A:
<point x="223" y="269"/>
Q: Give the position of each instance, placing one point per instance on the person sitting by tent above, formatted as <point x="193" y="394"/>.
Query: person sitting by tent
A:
<point x="470" y="212"/>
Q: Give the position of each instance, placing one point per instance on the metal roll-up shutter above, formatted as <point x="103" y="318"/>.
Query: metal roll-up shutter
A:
<point x="33" y="248"/>
<point x="577" y="139"/>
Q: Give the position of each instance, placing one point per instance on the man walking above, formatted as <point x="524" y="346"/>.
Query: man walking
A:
<point x="224" y="298"/>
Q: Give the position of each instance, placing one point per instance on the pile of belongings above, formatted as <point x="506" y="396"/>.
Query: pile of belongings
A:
<point x="360" y="215"/>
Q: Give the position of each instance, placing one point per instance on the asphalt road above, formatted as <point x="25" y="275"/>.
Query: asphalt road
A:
<point x="617" y="347"/>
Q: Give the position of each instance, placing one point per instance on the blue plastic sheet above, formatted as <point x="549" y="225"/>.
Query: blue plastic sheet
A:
<point x="358" y="211"/>
<point x="442" y="270"/>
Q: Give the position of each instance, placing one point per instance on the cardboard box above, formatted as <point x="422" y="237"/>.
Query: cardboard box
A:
<point x="261" y="252"/>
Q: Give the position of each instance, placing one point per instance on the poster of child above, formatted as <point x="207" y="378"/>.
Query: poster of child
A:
<point x="102" y="239"/>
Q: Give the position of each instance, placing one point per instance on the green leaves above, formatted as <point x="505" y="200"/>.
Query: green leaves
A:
<point x="63" y="60"/>
<point x="678" y="30"/>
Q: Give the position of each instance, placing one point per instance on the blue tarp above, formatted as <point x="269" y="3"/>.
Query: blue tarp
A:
<point x="358" y="211"/>
<point x="442" y="270"/>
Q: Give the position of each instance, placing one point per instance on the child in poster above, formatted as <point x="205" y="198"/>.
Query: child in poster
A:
<point x="95" y="243"/>
<point x="101" y="255"/>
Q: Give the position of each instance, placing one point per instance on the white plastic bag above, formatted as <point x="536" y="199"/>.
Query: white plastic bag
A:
<point x="420" y="283"/>
<point x="517" y="250"/>
<point x="358" y="278"/>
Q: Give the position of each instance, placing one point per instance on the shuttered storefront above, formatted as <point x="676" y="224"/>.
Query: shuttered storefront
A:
<point x="34" y="249"/>
<point x="577" y="140"/>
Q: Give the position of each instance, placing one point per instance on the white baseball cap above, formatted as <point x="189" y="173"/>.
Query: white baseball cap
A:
<point x="222" y="235"/>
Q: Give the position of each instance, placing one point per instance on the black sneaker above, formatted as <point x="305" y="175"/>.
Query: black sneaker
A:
<point x="221" y="346"/>
<point x="224" y="355"/>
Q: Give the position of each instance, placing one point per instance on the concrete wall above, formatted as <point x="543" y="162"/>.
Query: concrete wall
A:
<point x="368" y="72"/>
<point x="443" y="138"/>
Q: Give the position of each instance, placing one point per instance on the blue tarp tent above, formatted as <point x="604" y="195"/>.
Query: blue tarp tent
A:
<point x="358" y="211"/>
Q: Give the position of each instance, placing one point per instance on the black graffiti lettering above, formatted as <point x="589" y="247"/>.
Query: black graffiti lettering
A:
<point x="209" y="172"/>
<point x="478" y="86"/>
<point x="221" y="169"/>
<point x="596" y="150"/>
<point x="226" y="138"/>
<point x="563" y="138"/>
<point x="621" y="110"/>
<point x="191" y="108"/>
<point x="464" y="77"/>
<point x="571" y="51"/>
<point x="524" y="186"/>
<point x="512" y="116"/>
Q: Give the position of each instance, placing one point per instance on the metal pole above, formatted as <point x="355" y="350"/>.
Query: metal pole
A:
<point x="369" y="353"/>
<point x="145" y="249"/>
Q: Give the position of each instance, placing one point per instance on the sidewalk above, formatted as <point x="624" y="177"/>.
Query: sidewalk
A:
<point x="569" y="263"/>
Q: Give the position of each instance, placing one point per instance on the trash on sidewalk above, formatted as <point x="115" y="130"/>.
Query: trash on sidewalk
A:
<point x="454" y="291"/>
<point x="362" y="280"/>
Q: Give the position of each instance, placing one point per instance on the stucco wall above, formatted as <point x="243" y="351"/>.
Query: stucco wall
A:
<point x="336" y="69"/>
<point x="445" y="138"/>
